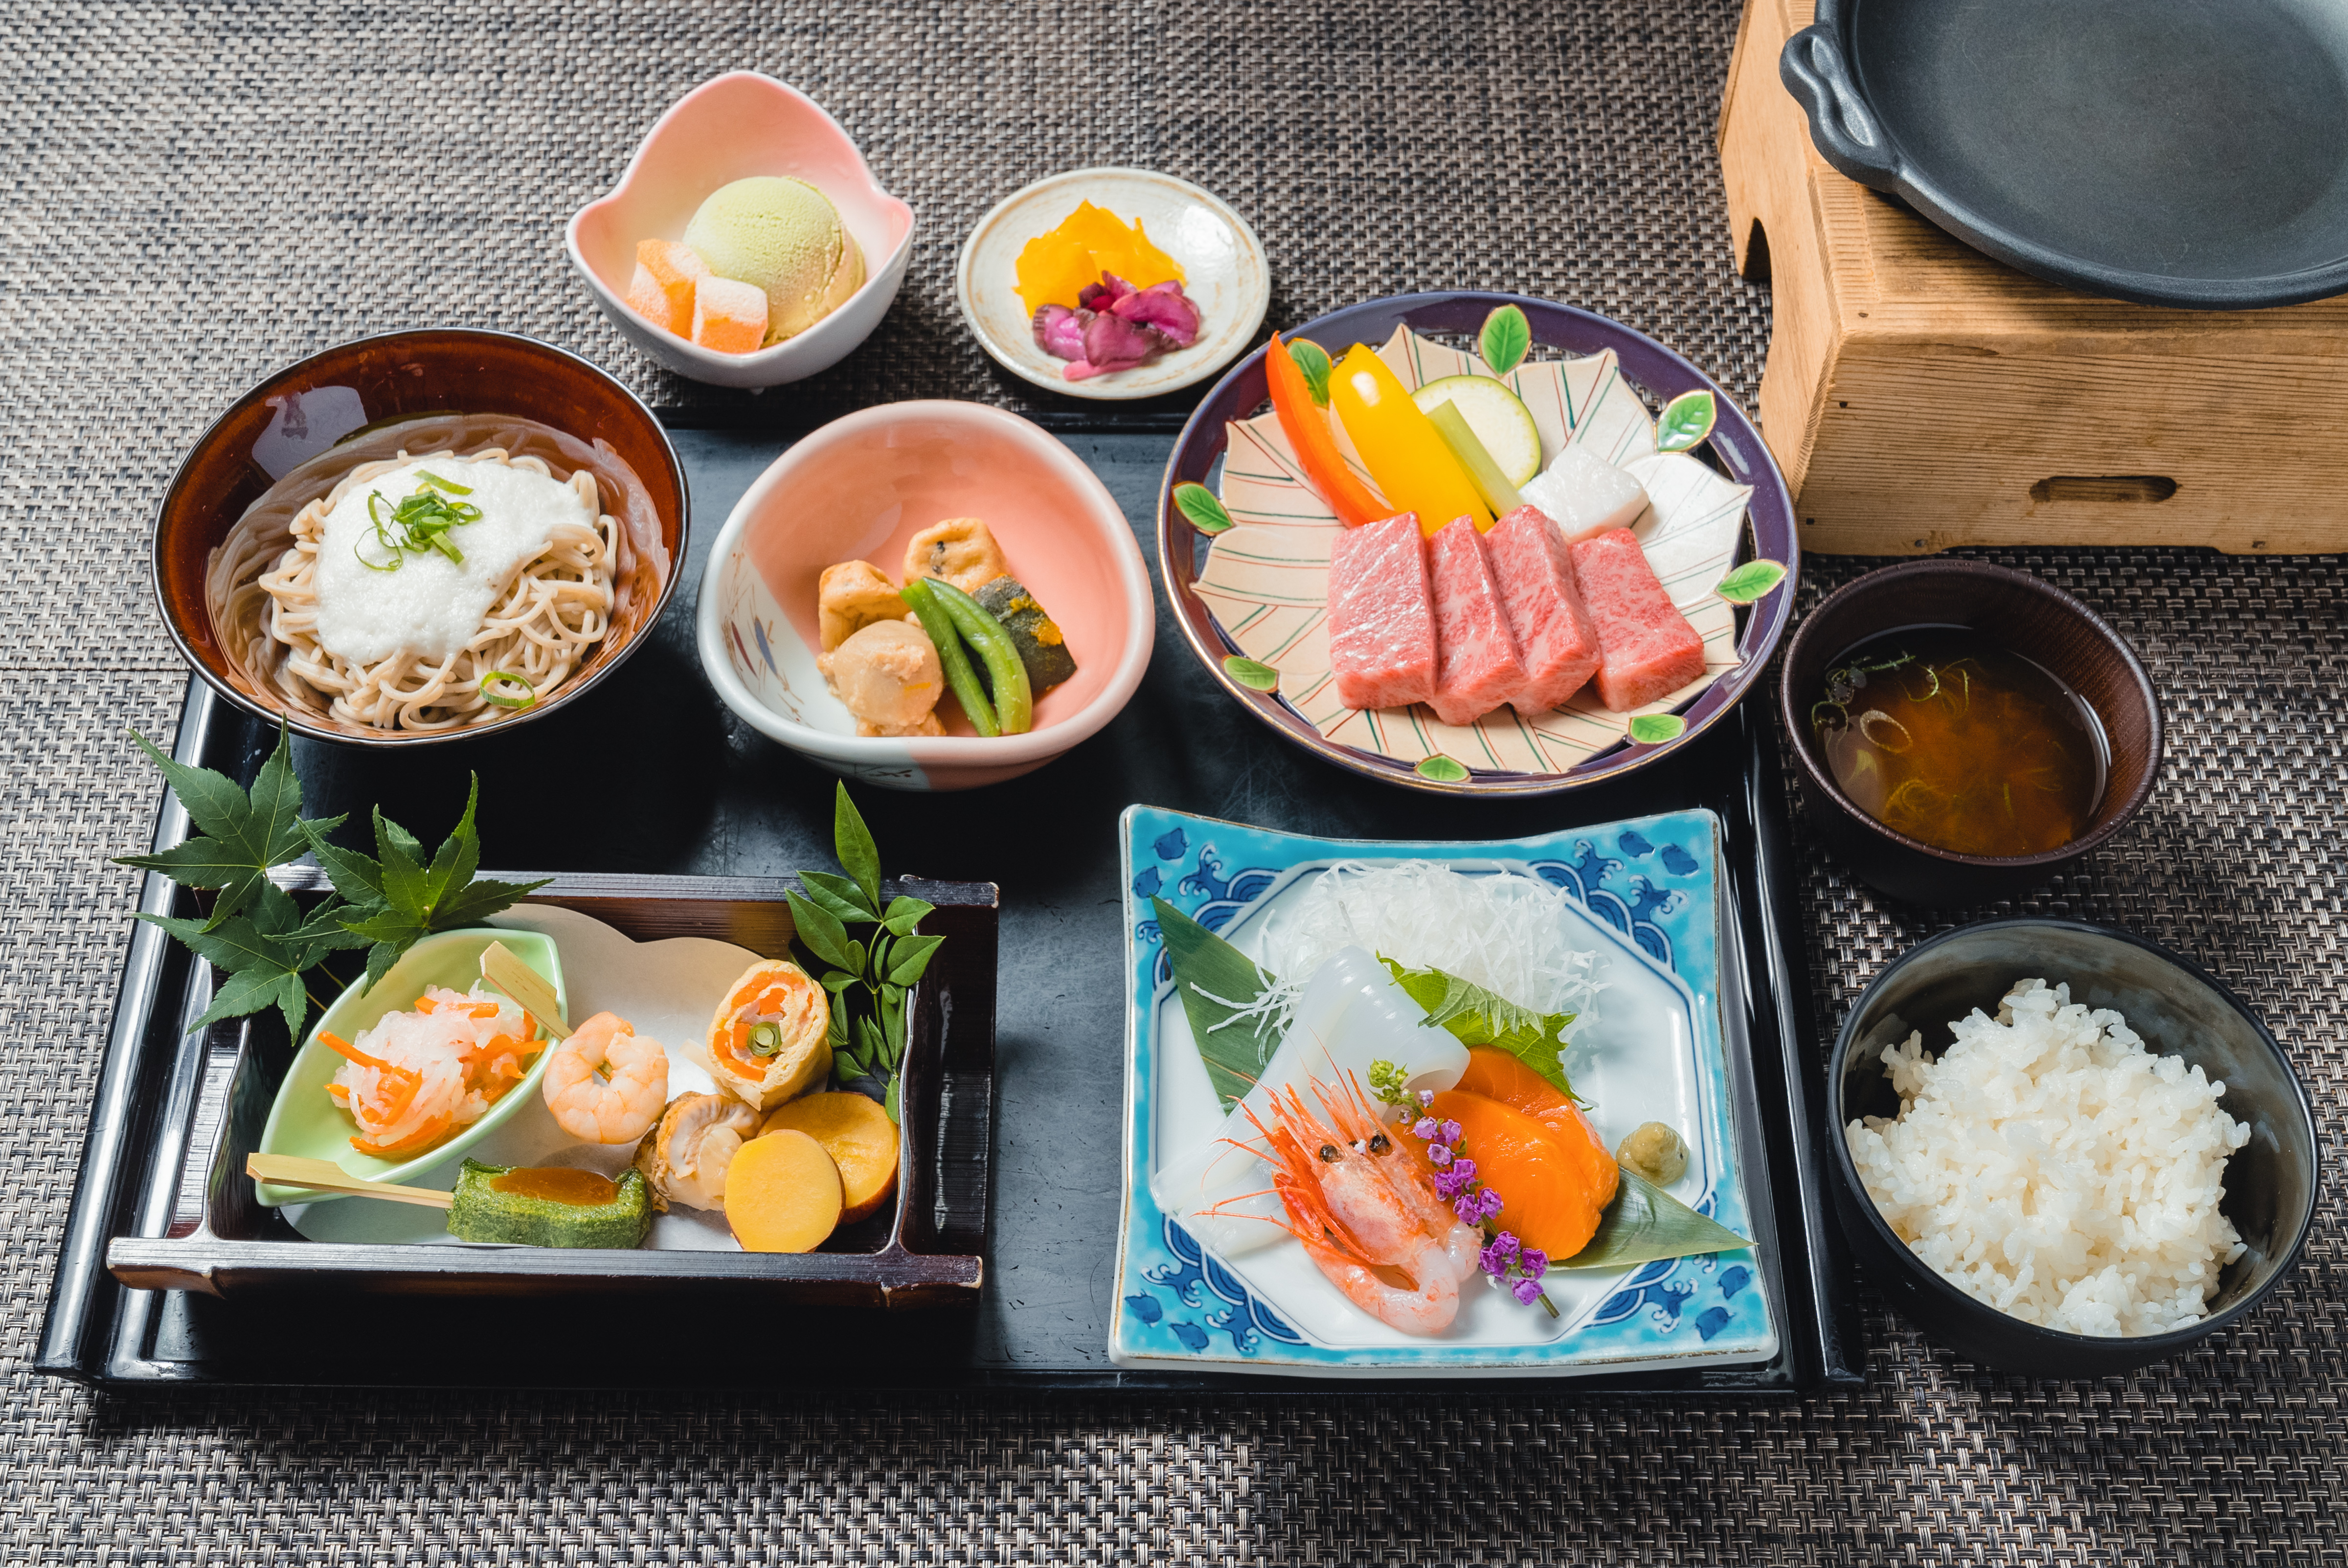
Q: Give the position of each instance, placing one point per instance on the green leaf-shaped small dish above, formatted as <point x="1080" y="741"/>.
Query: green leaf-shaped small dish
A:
<point x="304" y="1122"/>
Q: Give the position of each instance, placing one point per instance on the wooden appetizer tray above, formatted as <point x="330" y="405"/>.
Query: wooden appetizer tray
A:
<point x="996" y="1268"/>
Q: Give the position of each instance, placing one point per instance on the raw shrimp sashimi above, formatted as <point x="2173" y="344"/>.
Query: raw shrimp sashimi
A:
<point x="1367" y="1212"/>
<point x="414" y="1078"/>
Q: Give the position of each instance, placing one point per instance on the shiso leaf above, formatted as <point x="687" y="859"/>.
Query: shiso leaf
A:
<point x="1199" y="505"/>
<point x="1685" y="421"/>
<point x="1255" y="677"/>
<point x="1655" y="729"/>
<point x="1750" y="582"/>
<point x="1645" y="1224"/>
<point x="1441" y="769"/>
<point x="1506" y="339"/>
<point x="1478" y="1017"/>
<point x="1215" y="981"/>
<point x="1312" y="360"/>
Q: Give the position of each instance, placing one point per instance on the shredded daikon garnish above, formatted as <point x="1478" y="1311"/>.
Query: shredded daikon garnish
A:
<point x="1502" y="930"/>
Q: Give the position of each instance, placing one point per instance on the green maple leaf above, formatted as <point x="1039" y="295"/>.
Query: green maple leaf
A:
<point x="240" y="834"/>
<point x="261" y="969"/>
<point x="399" y="897"/>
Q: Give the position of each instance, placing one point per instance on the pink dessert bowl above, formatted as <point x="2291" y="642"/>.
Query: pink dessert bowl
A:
<point x="860" y="489"/>
<point x="732" y="127"/>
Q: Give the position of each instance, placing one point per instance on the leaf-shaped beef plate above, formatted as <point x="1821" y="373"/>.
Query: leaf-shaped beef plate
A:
<point x="1644" y="896"/>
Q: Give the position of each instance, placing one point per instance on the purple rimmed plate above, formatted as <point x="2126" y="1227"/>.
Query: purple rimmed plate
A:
<point x="1735" y="447"/>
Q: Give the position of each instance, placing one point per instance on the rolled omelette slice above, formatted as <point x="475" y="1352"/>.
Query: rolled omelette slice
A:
<point x="777" y="994"/>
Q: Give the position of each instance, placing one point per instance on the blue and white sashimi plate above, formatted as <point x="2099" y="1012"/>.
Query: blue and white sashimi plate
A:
<point x="1649" y="1049"/>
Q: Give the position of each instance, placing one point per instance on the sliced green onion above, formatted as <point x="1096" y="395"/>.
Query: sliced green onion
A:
<point x="766" y="1039"/>
<point x="438" y="483"/>
<point x="528" y="698"/>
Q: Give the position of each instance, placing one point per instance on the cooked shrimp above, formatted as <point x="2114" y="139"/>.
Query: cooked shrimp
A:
<point x="1367" y="1214"/>
<point x="606" y="1083"/>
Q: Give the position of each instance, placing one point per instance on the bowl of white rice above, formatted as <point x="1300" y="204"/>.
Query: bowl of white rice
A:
<point x="2062" y="1150"/>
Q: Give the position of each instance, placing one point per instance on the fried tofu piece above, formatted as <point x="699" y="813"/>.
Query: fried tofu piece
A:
<point x="850" y="596"/>
<point x="961" y="550"/>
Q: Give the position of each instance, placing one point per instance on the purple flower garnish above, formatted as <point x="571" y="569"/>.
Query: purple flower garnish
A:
<point x="1427" y="1096"/>
<point x="1436" y="1154"/>
<point x="1526" y="1292"/>
<point x="1534" y="1261"/>
<point x="1451" y="1131"/>
<point x="1424" y="1128"/>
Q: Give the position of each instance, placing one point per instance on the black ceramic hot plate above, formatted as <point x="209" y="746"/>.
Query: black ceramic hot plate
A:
<point x="2173" y="152"/>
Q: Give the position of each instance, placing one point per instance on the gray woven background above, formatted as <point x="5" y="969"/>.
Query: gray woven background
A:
<point x="199" y="193"/>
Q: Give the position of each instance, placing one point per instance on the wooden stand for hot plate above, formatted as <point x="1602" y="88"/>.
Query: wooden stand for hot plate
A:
<point x="1919" y="395"/>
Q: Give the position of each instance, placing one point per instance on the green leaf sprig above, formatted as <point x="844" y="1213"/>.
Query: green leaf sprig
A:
<point x="1201" y="507"/>
<point x="869" y="981"/>
<point x="419" y="524"/>
<point x="256" y="934"/>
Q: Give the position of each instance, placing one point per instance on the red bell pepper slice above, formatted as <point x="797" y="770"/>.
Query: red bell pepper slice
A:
<point x="1308" y="431"/>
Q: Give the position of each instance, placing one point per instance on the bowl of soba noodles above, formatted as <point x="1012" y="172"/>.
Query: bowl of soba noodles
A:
<point x="419" y="537"/>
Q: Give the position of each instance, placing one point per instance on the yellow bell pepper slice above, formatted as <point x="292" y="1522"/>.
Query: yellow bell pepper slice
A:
<point x="1406" y="454"/>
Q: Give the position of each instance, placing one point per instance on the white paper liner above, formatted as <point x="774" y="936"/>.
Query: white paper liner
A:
<point x="1267" y="578"/>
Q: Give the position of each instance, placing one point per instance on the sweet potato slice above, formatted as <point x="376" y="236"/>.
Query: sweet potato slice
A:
<point x="859" y="1136"/>
<point x="782" y="1194"/>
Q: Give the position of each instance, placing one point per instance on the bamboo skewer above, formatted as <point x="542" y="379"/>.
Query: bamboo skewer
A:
<point x="326" y="1176"/>
<point x="526" y="986"/>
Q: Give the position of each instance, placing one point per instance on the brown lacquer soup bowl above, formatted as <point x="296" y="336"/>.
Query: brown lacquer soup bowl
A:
<point x="408" y="390"/>
<point x="2011" y="610"/>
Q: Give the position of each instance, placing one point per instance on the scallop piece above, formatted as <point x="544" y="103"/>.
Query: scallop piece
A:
<point x="888" y="676"/>
<point x="686" y="1155"/>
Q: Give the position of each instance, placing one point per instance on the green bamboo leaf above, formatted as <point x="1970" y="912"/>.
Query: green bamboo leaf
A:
<point x="1645" y="1224"/>
<point x="1255" y="677"/>
<point x="1215" y="980"/>
<point x="1686" y="420"/>
<point x="852" y="841"/>
<point x="1655" y="729"/>
<point x="1199" y="505"/>
<point x="1313" y="361"/>
<point x="1479" y="1017"/>
<point x="891" y="1104"/>
<point x="1440" y="769"/>
<point x="1504" y="340"/>
<point x="1750" y="582"/>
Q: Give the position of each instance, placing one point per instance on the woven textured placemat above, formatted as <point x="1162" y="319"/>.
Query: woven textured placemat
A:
<point x="199" y="193"/>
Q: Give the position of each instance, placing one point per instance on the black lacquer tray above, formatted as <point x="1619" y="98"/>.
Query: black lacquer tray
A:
<point x="662" y="813"/>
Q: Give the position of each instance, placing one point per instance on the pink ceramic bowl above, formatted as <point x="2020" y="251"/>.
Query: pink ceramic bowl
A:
<point x="729" y="129"/>
<point x="860" y="489"/>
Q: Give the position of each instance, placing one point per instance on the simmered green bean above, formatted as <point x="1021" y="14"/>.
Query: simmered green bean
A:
<point x="1006" y="672"/>
<point x="961" y="679"/>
